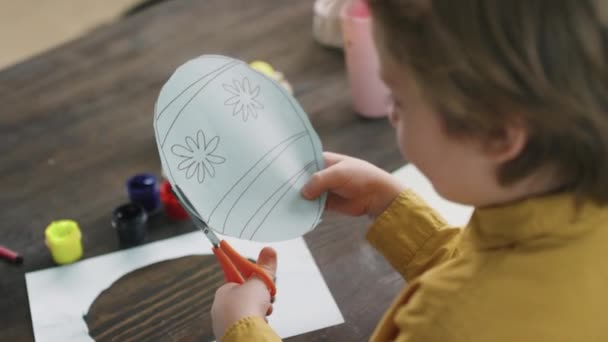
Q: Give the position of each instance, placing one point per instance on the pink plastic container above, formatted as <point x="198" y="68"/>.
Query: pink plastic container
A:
<point x="369" y="94"/>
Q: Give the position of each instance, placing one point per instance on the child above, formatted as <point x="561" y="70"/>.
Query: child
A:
<point x="503" y="105"/>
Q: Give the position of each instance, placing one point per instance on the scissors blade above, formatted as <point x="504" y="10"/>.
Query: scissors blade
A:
<point x="215" y="241"/>
<point x="196" y="218"/>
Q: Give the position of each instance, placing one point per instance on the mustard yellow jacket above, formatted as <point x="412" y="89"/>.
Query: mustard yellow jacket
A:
<point x="535" y="270"/>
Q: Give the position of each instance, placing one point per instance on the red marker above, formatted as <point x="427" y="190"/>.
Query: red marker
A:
<point x="9" y="255"/>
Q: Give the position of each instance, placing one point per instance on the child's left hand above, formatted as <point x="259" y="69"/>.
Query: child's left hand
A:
<point x="234" y="302"/>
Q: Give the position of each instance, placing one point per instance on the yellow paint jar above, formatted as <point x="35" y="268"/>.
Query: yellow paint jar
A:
<point x="63" y="238"/>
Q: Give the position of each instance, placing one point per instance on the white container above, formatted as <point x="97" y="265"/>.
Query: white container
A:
<point x="326" y="25"/>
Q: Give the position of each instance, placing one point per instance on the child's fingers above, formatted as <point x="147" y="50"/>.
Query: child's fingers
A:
<point x="324" y="180"/>
<point x="335" y="203"/>
<point x="332" y="158"/>
<point x="345" y="206"/>
<point x="268" y="261"/>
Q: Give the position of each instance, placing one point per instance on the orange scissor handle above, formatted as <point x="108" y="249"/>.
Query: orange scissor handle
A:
<point x="237" y="268"/>
<point x="231" y="274"/>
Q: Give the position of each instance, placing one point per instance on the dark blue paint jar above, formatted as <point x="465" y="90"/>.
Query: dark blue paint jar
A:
<point x="143" y="189"/>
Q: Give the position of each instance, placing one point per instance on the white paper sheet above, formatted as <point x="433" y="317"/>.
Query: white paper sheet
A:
<point x="455" y="214"/>
<point x="240" y="147"/>
<point x="60" y="296"/>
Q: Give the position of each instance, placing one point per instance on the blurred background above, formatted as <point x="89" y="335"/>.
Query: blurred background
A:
<point x="29" y="27"/>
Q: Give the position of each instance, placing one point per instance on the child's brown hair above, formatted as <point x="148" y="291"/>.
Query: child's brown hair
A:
<point x="482" y="63"/>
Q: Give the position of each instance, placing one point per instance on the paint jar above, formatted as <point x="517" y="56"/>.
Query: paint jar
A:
<point x="370" y="95"/>
<point x="143" y="189"/>
<point x="130" y="222"/>
<point x="173" y="208"/>
<point x="63" y="238"/>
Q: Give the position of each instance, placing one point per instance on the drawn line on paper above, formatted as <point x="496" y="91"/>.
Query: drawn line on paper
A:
<point x="229" y="66"/>
<point x="308" y="127"/>
<point x="295" y="136"/>
<point x="191" y="85"/>
<point x="198" y="157"/>
<point x="302" y="172"/>
<point x="243" y="98"/>
<point x="290" y="181"/>
<point x="286" y="143"/>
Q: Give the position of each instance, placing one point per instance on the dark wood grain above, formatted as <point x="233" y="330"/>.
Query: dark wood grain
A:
<point x="76" y="121"/>
<point x="173" y="302"/>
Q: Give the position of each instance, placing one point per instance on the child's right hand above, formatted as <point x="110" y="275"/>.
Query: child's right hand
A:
<point x="355" y="187"/>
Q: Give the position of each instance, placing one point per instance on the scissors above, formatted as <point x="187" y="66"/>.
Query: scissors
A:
<point x="236" y="267"/>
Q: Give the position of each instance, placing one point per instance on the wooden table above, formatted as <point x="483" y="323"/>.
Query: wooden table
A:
<point x="75" y="122"/>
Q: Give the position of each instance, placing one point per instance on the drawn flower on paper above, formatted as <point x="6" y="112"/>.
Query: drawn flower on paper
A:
<point x="198" y="156"/>
<point x="243" y="98"/>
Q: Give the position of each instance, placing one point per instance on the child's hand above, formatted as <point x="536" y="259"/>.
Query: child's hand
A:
<point x="355" y="187"/>
<point x="234" y="301"/>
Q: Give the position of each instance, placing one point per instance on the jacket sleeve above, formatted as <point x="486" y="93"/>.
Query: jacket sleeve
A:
<point x="251" y="329"/>
<point x="413" y="237"/>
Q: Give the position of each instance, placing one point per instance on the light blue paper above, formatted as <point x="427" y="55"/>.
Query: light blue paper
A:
<point x="240" y="147"/>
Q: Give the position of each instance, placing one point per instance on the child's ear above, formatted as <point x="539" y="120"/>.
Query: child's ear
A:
<point x="507" y="143"/>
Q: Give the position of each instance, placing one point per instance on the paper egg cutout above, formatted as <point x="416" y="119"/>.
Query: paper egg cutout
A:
<point x="240" y="147"/>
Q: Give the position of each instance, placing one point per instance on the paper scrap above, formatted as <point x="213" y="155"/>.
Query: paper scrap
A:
<point x="59" y="297"/>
